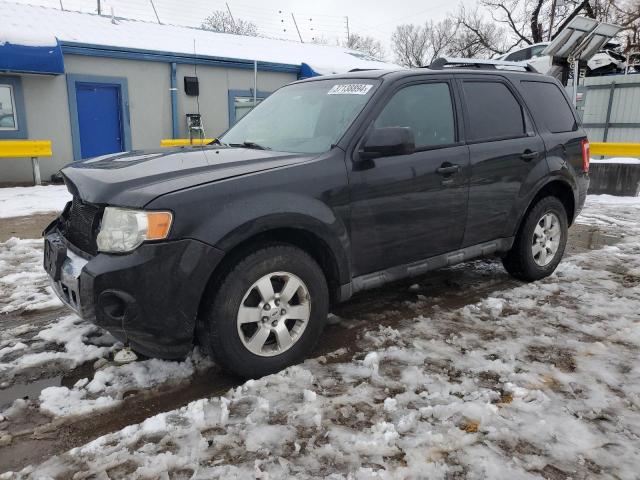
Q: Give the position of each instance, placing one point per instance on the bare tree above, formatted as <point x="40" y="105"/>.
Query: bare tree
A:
<point x="623" y="13"/>
<point x="478" y="37"/>
<point x="319" y="40"/>
<point x="223" y="22"/>
<point x="365" y="44"/>
<point x="464" y="34"/>
<point x="534" y="21"/>
<point x="419" y="45"/>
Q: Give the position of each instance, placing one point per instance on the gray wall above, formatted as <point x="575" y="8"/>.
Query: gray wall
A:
<point x="625" y="108"/>
<point x="215" y="84"/>
<point x="615" y="179"/>
<point x="47" y="106"/>
<point x="148" y="85"/>
<point x="47" y="112"/>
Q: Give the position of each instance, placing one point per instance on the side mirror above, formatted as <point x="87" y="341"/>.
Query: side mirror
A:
<point x="387" y="142"/>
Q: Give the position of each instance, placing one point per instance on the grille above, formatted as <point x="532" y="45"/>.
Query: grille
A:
<point x="81" y="225"/>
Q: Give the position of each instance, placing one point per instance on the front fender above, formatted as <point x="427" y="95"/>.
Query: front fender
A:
<point x="333" y="235"/>
<point x="312" y="197"/>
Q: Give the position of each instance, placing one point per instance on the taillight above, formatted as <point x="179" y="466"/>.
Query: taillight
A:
<point x="585" y="155"/>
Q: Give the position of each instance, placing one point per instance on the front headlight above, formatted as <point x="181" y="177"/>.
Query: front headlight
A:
<point x="123" y="229"/>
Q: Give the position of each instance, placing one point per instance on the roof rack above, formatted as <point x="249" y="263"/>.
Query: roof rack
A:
<point x="450" y="62"/>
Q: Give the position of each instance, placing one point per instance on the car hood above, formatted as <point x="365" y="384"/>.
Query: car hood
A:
<point x="133" y="179"/>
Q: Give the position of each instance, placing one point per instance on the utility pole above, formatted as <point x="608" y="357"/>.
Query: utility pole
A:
<point x="296" y="24"/>
<point x="99" y="8"/>
<point x="348" y="34"/>
<point x="233" y="21"/>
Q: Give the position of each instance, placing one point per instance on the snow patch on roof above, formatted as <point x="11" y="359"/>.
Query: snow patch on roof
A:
<point x="41" y="24"/>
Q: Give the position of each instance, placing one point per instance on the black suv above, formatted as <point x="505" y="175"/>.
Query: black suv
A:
<point x="330" y="186"/>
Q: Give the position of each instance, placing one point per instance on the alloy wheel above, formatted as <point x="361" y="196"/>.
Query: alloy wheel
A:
<point x="274" y="314"/>
<point x="546" y="239"/>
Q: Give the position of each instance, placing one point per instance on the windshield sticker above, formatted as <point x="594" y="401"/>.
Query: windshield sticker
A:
<point x="350" y="89"/>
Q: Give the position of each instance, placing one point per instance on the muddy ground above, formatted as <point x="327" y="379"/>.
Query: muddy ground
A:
<point x="36" y="437"/>
<point x="30" y="226"/>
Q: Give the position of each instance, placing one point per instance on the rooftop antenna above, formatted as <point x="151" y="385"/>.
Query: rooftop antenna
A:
<point x="99" y="8"/>
<point x="113" y="17"/>
<point x="61" y="6"/>
<point x="155" y="11"/>
<point x="195" y="123"/>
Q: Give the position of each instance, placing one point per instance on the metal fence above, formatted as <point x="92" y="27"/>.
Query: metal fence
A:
<point x="610" y="108"/>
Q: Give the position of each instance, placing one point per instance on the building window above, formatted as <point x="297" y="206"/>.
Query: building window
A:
<point x="241" y="103"/>
<point x="8" y="120"/>
<point x="12" y="119"/>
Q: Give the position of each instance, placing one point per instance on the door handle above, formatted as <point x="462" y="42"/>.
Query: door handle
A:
<point x="448" y="169"/>
<point x="529" y="155"/>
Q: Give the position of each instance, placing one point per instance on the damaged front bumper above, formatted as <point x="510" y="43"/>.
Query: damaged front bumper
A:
<point x="148" y="298"/>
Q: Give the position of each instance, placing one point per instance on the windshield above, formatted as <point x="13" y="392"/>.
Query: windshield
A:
<point x="306" y="117"/>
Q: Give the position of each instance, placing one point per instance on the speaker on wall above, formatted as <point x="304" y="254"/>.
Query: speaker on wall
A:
<point x="191" y="86"/>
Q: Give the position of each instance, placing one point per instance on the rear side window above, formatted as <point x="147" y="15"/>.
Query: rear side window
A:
<point x="426" y="109"/>
<point x="520" y="55"/>
<point x="549" y="106"/>
<point x="493" y="111"/>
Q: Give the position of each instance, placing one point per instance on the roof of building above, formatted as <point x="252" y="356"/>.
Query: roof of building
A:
<point x="30" y="25"/>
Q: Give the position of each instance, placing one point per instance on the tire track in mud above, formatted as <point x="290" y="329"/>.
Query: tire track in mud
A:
<point x="40" y="437"/>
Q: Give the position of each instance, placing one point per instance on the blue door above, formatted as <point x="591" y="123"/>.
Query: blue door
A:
<point x="99" y="119"/>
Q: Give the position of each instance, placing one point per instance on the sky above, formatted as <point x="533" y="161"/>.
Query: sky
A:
<point x="321" y="18"/>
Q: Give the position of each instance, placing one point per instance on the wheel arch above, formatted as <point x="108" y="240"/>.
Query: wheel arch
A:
<point x="308" y="234"/>
<point x="557" y="187"/>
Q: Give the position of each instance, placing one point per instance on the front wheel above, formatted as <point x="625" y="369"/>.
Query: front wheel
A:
<point x="540" y="242"/>
<point x="266" y="313"/>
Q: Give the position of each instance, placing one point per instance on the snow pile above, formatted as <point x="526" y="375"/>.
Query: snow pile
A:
<point x="539" y="380"/>
<point x="24" y="285"/>
<point x="68" y="342"/>
<point x="20" y="201"/>
<point x="109" y="384"/>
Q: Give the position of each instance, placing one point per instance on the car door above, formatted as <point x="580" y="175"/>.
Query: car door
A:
<point x="505" y="153"/>
<point x="409" y="207"/>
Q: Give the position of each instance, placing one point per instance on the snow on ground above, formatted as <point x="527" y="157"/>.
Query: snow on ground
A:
<point x="24" y="285"/>
<point x="626" y="160"/>
<point x="20" y="201"/>
<point x="109" y="384"/>
<point x="67" y="341"/>
<point x="613" y="213"/>
<point x="540" y="380"/>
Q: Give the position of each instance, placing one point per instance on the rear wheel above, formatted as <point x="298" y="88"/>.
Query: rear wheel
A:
<point x="266" y="313"/>
<point x="540" y="242"/>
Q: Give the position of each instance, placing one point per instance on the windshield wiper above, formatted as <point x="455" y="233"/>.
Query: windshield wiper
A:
<point x="253" y="145"/>
<point x="217" y="142"/>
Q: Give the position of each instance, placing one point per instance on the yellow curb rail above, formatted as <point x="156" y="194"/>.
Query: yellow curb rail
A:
<point x="33" y="149"/>
<point x="611" y="149"/>
<point x="184" y="142"/>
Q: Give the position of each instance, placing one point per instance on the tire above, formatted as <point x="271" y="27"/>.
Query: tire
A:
<point x="228" y="341"/>
<point x="521" y="261"/>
